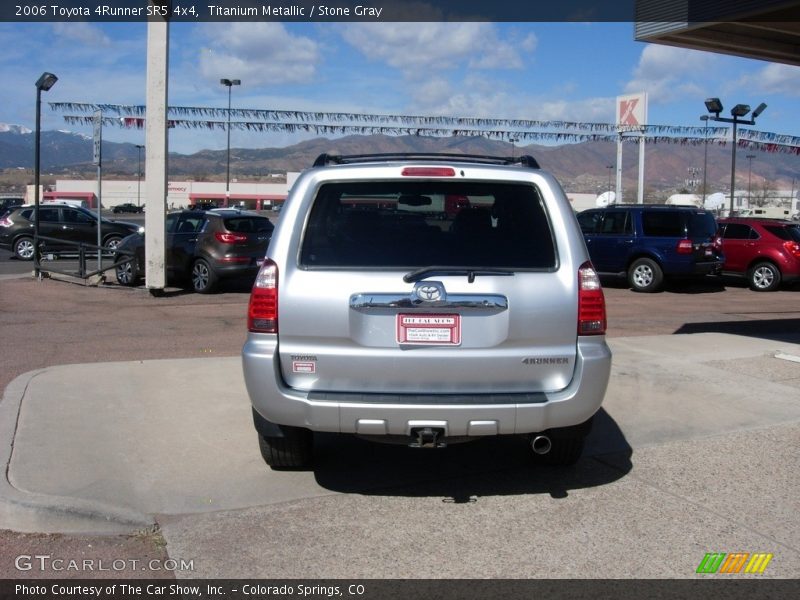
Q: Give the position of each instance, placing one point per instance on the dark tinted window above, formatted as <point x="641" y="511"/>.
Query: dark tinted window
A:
<point x="248" y="224"/>
<point x="190" y="224"/>
<point x="76" y="216"/>
<point x="739" y="231"/>
<point x="663" y="223"/>
<point x="48" y="215"/>
<point x="616" y="221"/>
<point x="590" y="221"/>
<point x="789" y="233"/>
<point x="172" y="220"/>
<point x="415" y="224"/>
<point x="702" y="225"/>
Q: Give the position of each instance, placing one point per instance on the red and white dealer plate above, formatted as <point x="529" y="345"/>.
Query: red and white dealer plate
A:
<point x="440" y="330"/>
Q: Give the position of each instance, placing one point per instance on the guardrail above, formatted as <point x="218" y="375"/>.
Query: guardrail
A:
<point x="45" y="258"/>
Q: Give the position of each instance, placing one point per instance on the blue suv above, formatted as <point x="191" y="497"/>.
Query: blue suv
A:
<point x="648" y="243"/>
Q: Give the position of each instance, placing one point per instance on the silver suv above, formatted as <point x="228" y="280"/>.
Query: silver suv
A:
<point x="426" y="300"/>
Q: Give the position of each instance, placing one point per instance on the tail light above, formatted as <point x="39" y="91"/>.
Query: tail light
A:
<point x="685" y="247"/>
<point x="792" y="248"/>
<point x="227" y="237"/>
<point x="6" y="222"/>
<point x="591" y="302"/>
<point x="262" y="312"/>
<point x="718" y="242"/>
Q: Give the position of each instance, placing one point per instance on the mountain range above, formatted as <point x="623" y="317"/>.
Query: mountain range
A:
<point x="581" y="167"/>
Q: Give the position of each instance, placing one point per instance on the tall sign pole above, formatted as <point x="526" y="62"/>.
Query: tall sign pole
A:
<point x="631" y="117"/>
<point x="97" y="138"/>
<point x="156" y="143"/>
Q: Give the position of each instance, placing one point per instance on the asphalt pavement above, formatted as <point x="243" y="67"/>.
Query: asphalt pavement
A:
<point x="694" y="451"/>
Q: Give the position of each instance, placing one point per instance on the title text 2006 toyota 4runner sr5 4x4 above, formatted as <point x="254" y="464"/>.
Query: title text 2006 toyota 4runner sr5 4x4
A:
<point x="427" y="300"/>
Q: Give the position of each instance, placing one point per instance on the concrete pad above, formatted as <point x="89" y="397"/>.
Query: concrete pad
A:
<point x="150" y="437"/>
<point x="121" y="444"/>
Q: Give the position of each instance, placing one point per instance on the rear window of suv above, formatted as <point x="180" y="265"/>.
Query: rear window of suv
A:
<point x="416" y="224"/>
<point x="788" y="233"/>
<point x="248" y="224"/>
<point x="679" y="223"/>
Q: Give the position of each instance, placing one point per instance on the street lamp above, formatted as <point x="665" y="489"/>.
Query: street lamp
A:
<point x="713" y="105"/>
<point x="139" y="176"/>
<point x="229" y="83"/>
<point x="44" y="83"/>
<point x="705" y="154"/>
<point x="750" y="158"/>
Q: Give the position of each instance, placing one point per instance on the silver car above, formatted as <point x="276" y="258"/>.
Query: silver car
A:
<point x="426" y="300"/>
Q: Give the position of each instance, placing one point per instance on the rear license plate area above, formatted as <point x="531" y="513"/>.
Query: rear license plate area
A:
<point x="429" y="329"/>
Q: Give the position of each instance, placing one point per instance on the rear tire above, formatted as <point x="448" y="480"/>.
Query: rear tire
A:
<point x="645" y="275"/>
<point x="23" y="248"/>
<point x="128" y="273"/>
<point x="292" y="451"/>
<point x="204" y="279"/>
<point x="764" y="277"/>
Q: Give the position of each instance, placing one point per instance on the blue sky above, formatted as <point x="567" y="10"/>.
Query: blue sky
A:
<point x="541" y="71"/>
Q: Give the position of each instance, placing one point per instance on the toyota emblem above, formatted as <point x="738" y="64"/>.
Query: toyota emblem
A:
<point x="429" y="291"/>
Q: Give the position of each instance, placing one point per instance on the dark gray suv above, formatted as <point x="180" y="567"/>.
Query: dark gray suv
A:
<point x="62" y="228"/>
<point x="202" y="248"/>
<point x="426" y="299"/>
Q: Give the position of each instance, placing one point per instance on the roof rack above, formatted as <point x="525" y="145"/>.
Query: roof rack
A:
<point x="337" y="159"/>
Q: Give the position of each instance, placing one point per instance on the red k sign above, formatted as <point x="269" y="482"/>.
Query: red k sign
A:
<point x="626" y="112"/>
<point x="632" y="110"/>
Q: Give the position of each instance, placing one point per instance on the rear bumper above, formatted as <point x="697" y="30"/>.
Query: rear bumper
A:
<point x="708" y="268"/>
<point x="457" y="415"/>
<point x="236" y="268"/>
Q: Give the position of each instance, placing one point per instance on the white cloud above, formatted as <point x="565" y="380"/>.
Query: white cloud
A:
<point x="81" y="32"/>
<point x="258" y="54"/>
<point x="419" y="49"/>
<point x="669" y="74"/>
<point x="774" y="79"/>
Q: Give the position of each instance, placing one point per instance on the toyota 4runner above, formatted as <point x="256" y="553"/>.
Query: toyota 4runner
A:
<point x="427" y="300"/>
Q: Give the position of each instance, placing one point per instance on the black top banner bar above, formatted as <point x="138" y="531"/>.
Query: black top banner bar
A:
<point x="194" y="11"/>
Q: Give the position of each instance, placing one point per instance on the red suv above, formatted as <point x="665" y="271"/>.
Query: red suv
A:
<point x="766" y="251"/>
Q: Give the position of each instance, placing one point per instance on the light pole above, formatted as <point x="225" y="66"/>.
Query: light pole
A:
<point x="139" y="176"/>
<point x="713" y="105"/>
<point x="705" y="154"/>
<point x="513" y="141"/>
<point x="750" y="158"/>
<point x="44" y="83"/>
<point x="609" y="167"/>
<point x="229" y="83"/>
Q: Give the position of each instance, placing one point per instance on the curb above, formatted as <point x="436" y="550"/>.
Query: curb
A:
<point x="10" y="408"/>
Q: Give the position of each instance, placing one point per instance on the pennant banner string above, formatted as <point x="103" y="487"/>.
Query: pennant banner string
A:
<point x="495" y="134"/>
<point x="300" y="117"/>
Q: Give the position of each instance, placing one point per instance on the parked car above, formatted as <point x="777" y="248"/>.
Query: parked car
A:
<point x="765" y="251"/>
<point x="127" y="207"/>
<point x="69" y="225"/>
<point x="6" y="204"/>
<point x="202" y="248"/>
<point x="393" y="324"/>
<point x="647" y="243"/>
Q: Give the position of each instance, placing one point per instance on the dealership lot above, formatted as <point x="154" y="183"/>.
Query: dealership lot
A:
<point x="695" y="450"/>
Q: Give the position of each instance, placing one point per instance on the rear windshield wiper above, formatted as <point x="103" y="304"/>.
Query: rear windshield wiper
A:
<point x="470" y="272"/>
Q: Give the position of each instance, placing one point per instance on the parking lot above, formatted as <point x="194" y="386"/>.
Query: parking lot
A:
<point x="128" y="410"/>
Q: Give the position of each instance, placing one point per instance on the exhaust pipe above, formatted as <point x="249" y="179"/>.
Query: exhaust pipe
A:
<point x="541" y="444"/>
